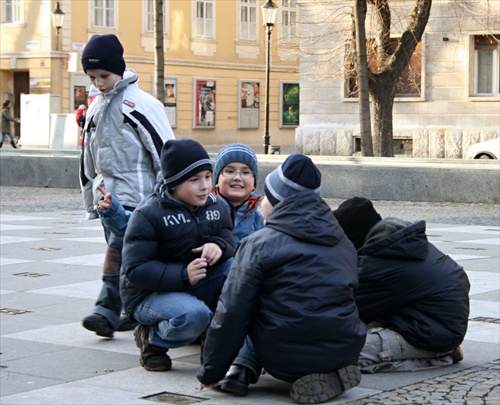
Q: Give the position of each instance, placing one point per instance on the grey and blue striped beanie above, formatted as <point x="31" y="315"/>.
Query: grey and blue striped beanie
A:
<point x="181" y="159"/>
<point x="236" y="152"/>
<point x="297" y="173"/>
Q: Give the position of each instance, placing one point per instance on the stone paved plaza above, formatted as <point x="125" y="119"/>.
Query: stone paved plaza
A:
<point x="51" y="260"/>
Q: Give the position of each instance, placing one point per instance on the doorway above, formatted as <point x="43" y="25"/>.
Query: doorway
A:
<point x="21" y="86"/>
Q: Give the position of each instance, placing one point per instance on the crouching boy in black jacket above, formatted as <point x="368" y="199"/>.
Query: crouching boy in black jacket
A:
<point x="177" y="251"/>
<point x="290" y="291"/>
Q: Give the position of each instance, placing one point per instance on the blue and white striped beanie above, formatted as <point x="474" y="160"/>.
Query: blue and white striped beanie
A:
<point x="182" y="159"/>
<point x="296" y="174"/>
<point x="236" y="152"/>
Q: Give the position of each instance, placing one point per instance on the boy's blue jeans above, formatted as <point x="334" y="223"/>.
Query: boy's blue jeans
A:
<point x="179" y="318"/>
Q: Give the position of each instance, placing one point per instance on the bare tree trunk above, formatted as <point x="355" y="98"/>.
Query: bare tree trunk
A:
<point x="159" y="56"/>
<point x="389" y="66"/>
<point x="362" y="73"/>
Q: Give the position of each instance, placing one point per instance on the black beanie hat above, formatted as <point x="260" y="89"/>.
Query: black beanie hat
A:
<point x="297" y="173"/>
<point x="181" y="159"/>
<point x="357" y="216"/>
<point x="104" y="52"/>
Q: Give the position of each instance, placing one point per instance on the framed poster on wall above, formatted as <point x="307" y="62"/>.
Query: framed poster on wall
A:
<point x="289" y="104"/>
<point x="249" y="104"/>
<point x="205" y="101"/>
<point x="171" y="100"/>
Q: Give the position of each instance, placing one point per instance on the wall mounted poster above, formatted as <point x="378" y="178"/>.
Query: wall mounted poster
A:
<point x="171" y="100"/>
<point x="249" y="104"/>
<point x="205" y="101"/>
<point x="289" y="104"/>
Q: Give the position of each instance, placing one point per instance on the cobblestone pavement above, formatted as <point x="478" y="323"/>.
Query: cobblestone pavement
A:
<point x="473" y="386"/>
<point x="18" y="199"/>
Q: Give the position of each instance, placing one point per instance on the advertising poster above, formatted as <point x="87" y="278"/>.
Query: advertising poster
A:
<point x="289" y="104"/>
<point x="205" y="102"/>
<point x="171" y="100"/>
<point x="249" y="104"/>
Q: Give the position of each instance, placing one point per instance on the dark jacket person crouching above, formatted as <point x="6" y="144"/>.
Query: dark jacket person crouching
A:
<point x="290" y="291"/>
<point x="413" y="297"/>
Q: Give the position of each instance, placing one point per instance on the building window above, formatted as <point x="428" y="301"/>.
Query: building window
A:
<point x="104" y="13"/>
<point x="204" y="18"/>
<point x="288" y="21"/>
<point x="12" y="11"/>
<point x="150" y="16"/>
<point x="247" y="20"/>
<point x="486" y="65"/>
<point x="409" y="83"/>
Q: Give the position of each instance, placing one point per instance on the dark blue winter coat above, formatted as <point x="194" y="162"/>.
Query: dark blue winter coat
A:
<point x="411" y="287"/>
<point x="158" y="243"/>
<point x="291" y="289"/>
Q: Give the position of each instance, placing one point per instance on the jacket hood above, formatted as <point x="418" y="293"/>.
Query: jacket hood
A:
<point x="394" y="238"/>
<point x="307" y="217"/>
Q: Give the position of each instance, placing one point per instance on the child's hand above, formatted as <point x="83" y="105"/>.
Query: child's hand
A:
<point x="197" y="270"/>
<point x="104" y="204"/>
<point x="211" y="252"/>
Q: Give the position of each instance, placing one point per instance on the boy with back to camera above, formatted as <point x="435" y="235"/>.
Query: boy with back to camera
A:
<point x="413" y="297"/>
<point x="291" y="291"/>
<point x="177" y="252"/>
<point x="125" y="129"/>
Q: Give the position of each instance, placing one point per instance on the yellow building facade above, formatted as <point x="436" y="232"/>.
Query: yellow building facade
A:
<point x="215" y="61"/>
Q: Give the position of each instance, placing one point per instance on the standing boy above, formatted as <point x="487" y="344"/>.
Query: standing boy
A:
<point x="125" y="130"/>
<point x="291" y="281"/>
<point x="178" y="250"/>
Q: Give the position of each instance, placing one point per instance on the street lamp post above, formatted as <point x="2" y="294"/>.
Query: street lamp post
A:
<point x="269" y="10"/>
<point x="57" y="22"/>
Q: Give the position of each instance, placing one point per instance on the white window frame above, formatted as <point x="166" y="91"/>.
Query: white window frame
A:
<point x="495" y="72"/>
<point x="101" y="8"/>
<point x="203" y="27"/>
<point x="149" y="16"/>
<point x="247" y="30"/>
<point x="16" y="11"/>
<point x="287" y="31"/>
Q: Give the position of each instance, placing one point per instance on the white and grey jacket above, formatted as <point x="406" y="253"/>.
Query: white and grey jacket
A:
<point x="124" y="134"/>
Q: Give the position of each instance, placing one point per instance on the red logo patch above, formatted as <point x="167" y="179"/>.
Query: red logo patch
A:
<point x="129" y="103"/>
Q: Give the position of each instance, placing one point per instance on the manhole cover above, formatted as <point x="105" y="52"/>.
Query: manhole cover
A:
<point x="176" y="399"/>
<point x="11" y="311"/>
<point x="28" y="274"/>
<point x="485" y="319"/>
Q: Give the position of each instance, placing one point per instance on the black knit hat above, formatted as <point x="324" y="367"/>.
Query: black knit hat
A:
<point x="357" y="216"/>
<point x="104" y="52"/>
<point x="181" y="159"/>
<point x="297" y="173"/>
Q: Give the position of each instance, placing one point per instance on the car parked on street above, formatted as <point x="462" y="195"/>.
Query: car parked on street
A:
<point x="484" y="150"/>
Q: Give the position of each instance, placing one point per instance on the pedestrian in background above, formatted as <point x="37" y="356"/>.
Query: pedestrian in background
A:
<point x="413" y="297"/>
<point x="125" y="130"/>
<point x="6" y="120"/>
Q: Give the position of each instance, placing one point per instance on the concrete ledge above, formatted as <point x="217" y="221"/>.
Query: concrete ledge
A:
<point x="393" y="179"/>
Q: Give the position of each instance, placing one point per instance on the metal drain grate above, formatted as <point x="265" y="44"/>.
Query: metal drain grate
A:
<point x="485" y="319"/>
<point x="47" y="249"/>
<point x="11" y="311"/>
<point x="175" y="399"/>
<point x="29" y="274"/>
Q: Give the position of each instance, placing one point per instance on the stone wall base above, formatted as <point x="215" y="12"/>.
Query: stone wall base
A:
<point x="445" y="143"/>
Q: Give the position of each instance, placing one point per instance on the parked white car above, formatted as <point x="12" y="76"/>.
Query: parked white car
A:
<point x="484" y="150"/>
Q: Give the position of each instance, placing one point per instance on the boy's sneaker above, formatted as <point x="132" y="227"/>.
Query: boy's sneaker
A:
<point x="318" y="388"/>
<point x="98" y="324"/>
<point x="153" y="358"/>
<point x="456" y="354"/>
